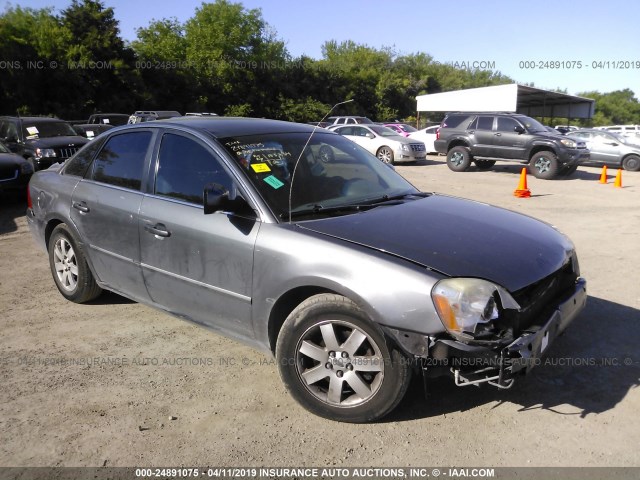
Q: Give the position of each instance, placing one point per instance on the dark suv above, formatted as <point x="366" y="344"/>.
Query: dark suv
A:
<point x="483" y="138"/>
<point x="42" y="141"/>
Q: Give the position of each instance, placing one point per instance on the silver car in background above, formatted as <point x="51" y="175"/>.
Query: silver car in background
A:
<point x="301" y="243"/>
<point x="384" y="143"/>
<point x="609" y="148"/>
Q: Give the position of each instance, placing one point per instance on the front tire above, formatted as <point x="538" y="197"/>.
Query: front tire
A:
<point x="544" y="165"/>
<point x="385" y="155"/>
<point x="459" y="159"/>
<point x="631" y="163"/>
<point x="69" y="268"/>
<point x="337" y="364"/>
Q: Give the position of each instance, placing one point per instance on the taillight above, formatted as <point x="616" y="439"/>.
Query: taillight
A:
<point x="29" y="204"/>
<point x="438" y="134"/>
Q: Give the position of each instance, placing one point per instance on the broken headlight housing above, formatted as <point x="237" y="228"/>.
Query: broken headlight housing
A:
<point x="468" y="307"/>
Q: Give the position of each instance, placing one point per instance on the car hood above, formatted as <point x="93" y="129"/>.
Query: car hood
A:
<point x="58" y="142"/>
<point x="457" y="237"/>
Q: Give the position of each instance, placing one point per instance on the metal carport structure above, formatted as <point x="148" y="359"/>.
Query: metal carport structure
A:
<point x="531" y="101"/>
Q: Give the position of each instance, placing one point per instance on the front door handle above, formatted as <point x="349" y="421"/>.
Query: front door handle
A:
<point x="158" y="229"/>
<point x="498" y="134"/>
<point x="81" y="206"/>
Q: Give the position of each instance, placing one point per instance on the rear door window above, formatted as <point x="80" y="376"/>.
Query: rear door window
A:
<point x="121" y="161"/>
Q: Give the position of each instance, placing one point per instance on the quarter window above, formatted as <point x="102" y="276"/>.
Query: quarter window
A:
<point x="78" y="164"/>
<point x="185" y="167"/>
<point x="121" y="161"/>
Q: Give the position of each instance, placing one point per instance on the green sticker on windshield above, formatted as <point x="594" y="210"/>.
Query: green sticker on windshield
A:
<point x="273" y="182"/>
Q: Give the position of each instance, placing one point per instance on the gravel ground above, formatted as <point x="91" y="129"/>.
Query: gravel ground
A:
<point x="117" y="383"/>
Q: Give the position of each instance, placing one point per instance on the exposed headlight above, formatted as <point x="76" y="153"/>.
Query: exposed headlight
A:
<point x="569" y="143"/>
<point x="26" y="168"/>
<point x="465" y="303"/>
<point x="45" y="152"/>
<point x="406" y="147"/>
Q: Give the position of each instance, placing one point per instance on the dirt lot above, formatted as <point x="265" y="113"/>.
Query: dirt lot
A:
<point x="119" y="384"/>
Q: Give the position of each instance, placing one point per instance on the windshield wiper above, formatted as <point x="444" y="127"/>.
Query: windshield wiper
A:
<point x="319" y="209"/>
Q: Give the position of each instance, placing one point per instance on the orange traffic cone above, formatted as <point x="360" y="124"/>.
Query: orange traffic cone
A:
<point x="522" y="191"/>
<point x="603" y="175"/>
<point x="618" y="182"/>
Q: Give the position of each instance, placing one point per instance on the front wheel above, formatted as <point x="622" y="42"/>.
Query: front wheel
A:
<point x="631" y="163"/>
<point x="385" y="154"/>
<point x="544" y="165"/>
<point x="337" y="364"/>
<point x="69" y="267"/>
<point x="459" y="159"/>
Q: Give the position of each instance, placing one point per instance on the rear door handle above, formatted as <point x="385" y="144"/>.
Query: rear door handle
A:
<point x="81" y="206"/>
<point x="498" y="134"/>
<point x="158" y="229"/>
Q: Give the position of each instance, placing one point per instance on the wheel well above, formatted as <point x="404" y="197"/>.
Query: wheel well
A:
<point x="457" y="143"/>
<point x="285" y="305"/>
<point x="49" y="228"/>
<point x="539" y="149"/>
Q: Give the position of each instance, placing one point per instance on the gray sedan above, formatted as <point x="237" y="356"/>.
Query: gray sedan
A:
<point x="301" y="243"/>
<point x="610" y="148"/>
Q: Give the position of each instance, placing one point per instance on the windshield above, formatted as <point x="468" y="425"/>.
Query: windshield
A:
<point x="532" y="125"/>
<point x="384" y="131"/>
<point x="407" y="128"/>
<point x="332" y="171"/>
<point x="4" y="149"/>
<point x="32" y="131"/>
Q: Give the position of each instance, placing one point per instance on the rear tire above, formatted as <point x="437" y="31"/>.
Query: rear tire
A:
<point x="459" y="159"/>
<point x="339" y="365"/>
<point x="69" y="267"/>
<point x="544" y="165"/>
<point x="631" y="163"/>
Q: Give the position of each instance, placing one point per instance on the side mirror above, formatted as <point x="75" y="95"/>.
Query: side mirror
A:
<point x="214" y="198"/>
<point x="518" y="129"/>
<point x="217" y="198"/>
<point x="370" y="135"/>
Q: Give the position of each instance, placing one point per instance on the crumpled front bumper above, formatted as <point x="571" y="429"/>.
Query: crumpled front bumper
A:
<point x="497" y="366"/>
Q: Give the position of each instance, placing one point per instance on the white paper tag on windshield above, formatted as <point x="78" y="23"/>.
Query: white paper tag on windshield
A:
<point x="32" y="131"/>
<point x="105" y="120"/>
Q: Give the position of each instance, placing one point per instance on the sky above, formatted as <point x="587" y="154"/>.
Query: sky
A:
<point x="577" y="46"/>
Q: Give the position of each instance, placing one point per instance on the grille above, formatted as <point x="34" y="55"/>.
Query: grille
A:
<point x="64" y="153"/>
<point x="536" y="299"/>
<point x="418" y="147"/>
<point x="8" y="173"/>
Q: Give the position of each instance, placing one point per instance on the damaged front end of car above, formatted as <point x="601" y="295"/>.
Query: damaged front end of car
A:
<point x="493" y="335"/>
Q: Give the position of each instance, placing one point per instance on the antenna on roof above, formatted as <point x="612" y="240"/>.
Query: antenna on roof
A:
<point x="293" y="174"/>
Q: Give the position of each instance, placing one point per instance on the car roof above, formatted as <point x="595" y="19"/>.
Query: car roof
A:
<point x="36" y="119"/>
<point x="234" y="126"/>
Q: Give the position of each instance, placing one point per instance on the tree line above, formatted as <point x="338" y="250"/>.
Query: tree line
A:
<point x="224" y="59"/>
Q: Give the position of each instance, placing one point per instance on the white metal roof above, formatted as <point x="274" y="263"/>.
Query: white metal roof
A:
<point x="508" y="98"/>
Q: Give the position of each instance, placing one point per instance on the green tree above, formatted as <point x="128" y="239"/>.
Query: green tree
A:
<point x="101" y="67"/>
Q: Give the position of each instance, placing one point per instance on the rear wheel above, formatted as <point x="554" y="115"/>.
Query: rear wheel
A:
<point x="69" y="267"/>
<point x="337" y="364"/>
<point x="484" y="164"/>
<point x="385" y="154"/>
<point x="544" y="165"/>
<point x="631" y="163"/>
<point x="459" y="159"/>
